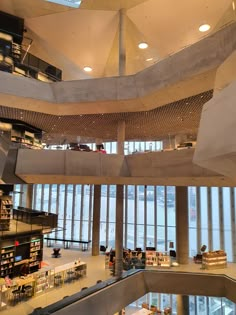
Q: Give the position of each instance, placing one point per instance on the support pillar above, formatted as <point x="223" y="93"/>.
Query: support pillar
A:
<point x="96" y="220"/>
<point x="29" y="196"/>
<point x="122" y="42"/>
<point x="119" y="230"/>
<point x="120" y="137"/>
<point x="183" y="304"/>
<point x="120" y="150"/>
<point x="182" y="237"/>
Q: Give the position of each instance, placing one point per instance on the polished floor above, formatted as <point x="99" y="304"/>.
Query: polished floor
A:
<point x="95" y="271"/>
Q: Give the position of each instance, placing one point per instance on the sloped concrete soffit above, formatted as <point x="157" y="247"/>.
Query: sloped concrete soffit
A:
<point x="193" y="67"/>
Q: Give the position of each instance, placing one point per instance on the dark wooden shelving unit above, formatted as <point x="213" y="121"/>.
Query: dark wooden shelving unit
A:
<point x="5" y="212"/>
<point x="7" y="261"/>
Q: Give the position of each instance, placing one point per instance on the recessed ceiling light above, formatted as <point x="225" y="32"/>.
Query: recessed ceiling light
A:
<point x="149" y="59"/>
<point x="143" y="45"/>
<point x="87" y="69"/>
<point x="204" y="28"/>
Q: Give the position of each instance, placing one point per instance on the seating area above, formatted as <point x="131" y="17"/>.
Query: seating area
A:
<point x="21" y="294"/>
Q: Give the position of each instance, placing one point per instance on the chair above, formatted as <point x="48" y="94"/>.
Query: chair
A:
<point x="16" y="296"/>
<point x="56" y="252"/>
<point x="103" y="248"/>
<point x="28" y="291"/>
<point x="172" y="253"/>
<point x="70" y="276"/>
<point x="58" y="280"/>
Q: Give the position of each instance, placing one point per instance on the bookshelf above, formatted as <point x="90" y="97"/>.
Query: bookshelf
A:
<point x="35" y="254"/>
<point x="158" y="259"/>
<point x="7" y="261"/>
<point x="5" y="212"/>
<point x="214" y="260"/>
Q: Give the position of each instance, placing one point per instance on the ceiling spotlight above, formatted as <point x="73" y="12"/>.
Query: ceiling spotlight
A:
<point x="87" y="69"/>
<point x="204" y="28"/>
<point x="142" y="45"/>
<point x="149" y="59"/>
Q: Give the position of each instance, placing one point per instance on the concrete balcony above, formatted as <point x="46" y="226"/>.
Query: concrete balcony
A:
<point x="154" y="168"/>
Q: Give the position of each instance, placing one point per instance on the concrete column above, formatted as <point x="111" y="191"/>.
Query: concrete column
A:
<point x="119" y="230"/>
<point x="168" y="143"/>
<point x="122" y="42"/>
<point x="120" y="137"/>
<point x="29" y="196"/>
<point x="96" y="220"/>
<point x="179" y="139"/>
<point x="120" y="150"/>
<point x="182" y="304"/>
<point x="182" y="238"/>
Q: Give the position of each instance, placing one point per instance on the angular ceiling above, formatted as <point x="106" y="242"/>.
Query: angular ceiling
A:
<point x="73" y="38"/>
<point x="180" y="117"/>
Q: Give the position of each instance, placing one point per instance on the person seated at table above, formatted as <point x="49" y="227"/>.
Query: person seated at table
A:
<point x="25" y="269"/>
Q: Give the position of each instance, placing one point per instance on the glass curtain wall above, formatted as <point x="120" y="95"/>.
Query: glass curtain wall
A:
<point x="149" y="215"/>
<point x="198" y="305"/>
<point x="111" y="147"/>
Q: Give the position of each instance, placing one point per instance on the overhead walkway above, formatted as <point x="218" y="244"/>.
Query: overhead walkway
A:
<point x="154" y="168"/>
<point x="111" y="296"/>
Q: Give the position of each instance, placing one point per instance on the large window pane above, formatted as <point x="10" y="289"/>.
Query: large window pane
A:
<point x="45" y="201"/>
<point x="130" y="208"/>
<point x="160" y="238"/>
<point x="150" y="205"/>
<point x="86" y="195"/>
<point x="140" y="205"/>
<point x="192" y="208"/>
<point x="130" y="236"/>
<point x="61" y="202"/>
<point x="38" y="197"/>
<point x="112" y="203"/>
<point x="53" y="208"/>
<point x="160" y="193"/>
<point x="140" y="234"/>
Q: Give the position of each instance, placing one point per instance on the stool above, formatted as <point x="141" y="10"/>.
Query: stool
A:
<point x="16" y="296"/>
<point x="70" y="276"/>
<point x="28" y="291"/>
<point x="77" y="273"/>
<point x="58" y="280"/>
